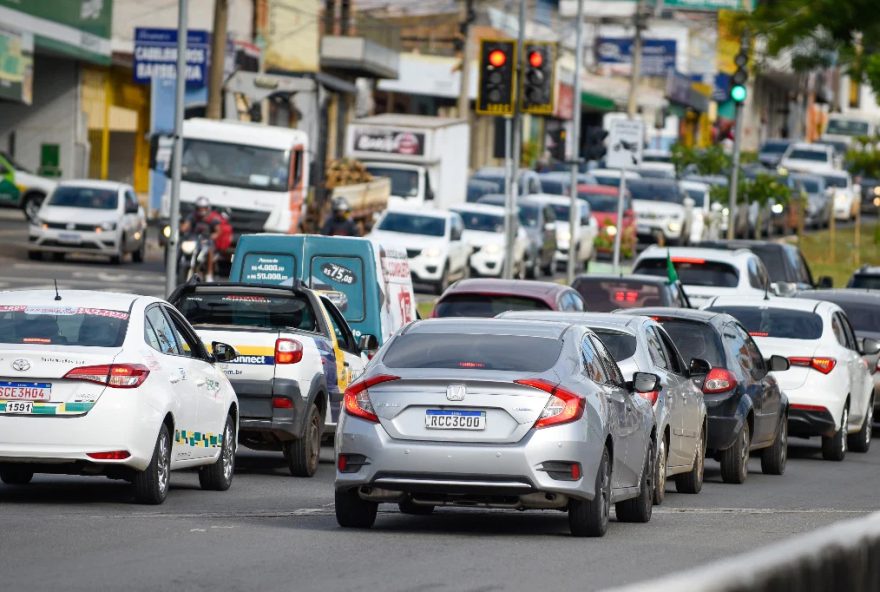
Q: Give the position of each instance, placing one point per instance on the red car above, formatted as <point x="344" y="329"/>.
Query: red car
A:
<point x="603" y="204"/>
<point x="489" y="297"/>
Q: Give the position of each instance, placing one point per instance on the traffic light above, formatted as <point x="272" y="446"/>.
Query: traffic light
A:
<point x="594" y="143"/>
<point x="537" y="83"/>
<point x="495" y="90"/>
<point x="738" y="90"/>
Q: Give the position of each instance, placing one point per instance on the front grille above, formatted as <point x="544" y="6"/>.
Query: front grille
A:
<point x="64" y="226"/>
<point x="413" y="253"/>
<point x="54" y="243"/>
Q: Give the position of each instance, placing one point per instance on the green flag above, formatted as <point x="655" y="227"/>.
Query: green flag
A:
<point x="670" y="269"/>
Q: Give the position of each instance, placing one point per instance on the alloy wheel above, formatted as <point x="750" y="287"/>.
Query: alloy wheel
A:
<point x="228" y="452"/>
<point x="843" y="427"/>
<point x="745" y="451"/>
<point x="660" y="480"/>
<point x="869" y="424"/>
<point x="162" y="464"/>
<point x="314" y="443"/>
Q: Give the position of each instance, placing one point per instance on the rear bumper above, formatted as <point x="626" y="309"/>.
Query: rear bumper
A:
<point x="802" y="422"/>
<point x="725" y="420"/>
<point x="260" y="424"/>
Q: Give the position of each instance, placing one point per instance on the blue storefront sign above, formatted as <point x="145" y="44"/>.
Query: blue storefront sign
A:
<point x="658" y="55"/>
<point x="155" y="55"/>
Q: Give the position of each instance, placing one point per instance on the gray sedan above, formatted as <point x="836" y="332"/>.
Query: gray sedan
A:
<point x="496" y="413"/>
<point x="638" y="344"/>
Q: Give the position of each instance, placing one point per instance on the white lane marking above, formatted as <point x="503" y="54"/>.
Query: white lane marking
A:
<point x="758" y="511"/>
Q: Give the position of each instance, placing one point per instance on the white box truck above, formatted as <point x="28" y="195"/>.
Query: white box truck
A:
<point x="425" y="157"/>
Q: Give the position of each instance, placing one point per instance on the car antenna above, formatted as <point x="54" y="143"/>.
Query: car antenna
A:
<point x="57" y="295"/>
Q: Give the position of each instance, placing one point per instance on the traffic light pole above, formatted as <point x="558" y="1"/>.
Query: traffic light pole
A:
<point x="510" y="202"/>
<point x="734" y="173"/>
<point x="574" y="218"/>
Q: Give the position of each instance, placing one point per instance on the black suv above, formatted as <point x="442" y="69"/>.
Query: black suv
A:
<point x="747" y="410"/>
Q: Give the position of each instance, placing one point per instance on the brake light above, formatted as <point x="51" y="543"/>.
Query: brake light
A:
<point x="111" y="455"/>
<point x="695" y="260"/>
<point x="626" y="296"/>
<point x="282" y="403"/>
<point x="563" y="407"/>
<point x="651" y="396"/>
<point x="877" y="366"/>
<point x="112" y="375"/>
<point x="719" y="380"/>
<point x="823" y="365"/>
<point x="288" y="351"/>
<point x="356" y="400"/>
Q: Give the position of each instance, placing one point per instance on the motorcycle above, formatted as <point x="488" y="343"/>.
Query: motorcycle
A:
<point x="193" y="258"/>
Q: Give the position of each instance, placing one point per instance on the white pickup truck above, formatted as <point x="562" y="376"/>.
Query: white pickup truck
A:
<point x="297" y="356"/>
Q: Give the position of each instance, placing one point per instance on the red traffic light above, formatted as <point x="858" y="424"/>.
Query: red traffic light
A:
<point x="497" y="58"/>
<point x="536" y="59"/>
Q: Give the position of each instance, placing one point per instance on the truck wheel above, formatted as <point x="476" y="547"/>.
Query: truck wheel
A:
<point x="352" y="511"/>
<point x="151" y="485"/>
<point x="302" y="455"/>
<point x="218" y="476"/>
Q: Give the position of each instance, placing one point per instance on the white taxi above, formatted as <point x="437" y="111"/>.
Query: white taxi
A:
<point x="112" y="384"/>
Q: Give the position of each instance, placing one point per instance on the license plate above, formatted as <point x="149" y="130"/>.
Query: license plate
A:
<point x="19" y="407"/>
<point x="442" y="419"/>
<point x="25" y="391"/>
<point x="69" y="237"/>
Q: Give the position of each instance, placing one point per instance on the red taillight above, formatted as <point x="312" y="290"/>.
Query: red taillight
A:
<point x="575" y="471"/>
<point x="801" y="407"/>
<point x="651" y="396"/>
<point x="877" y="367"/>
<point x="341" y="463"/>
<point x="719" y="380"/>
<point x="563" y="407"/>
<point x="112" y="375"/>
<point x="282" y="403"/>
<point x="356" y="400"/>
<point x="823" y="365"/>
<point x="111" y="455"/>
<point x="288" y="351"/>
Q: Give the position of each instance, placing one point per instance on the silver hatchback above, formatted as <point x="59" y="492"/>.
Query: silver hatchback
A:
<point x="496" y="413"/>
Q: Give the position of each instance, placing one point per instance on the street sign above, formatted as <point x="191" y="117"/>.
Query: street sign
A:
<point x="625" y="143"/>
<point x="155" y="55"/>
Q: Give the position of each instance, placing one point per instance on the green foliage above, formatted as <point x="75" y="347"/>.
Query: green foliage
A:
<point x="711" y="161"/>
<point x="763" y="188"/>
<point x="864" y="162"/>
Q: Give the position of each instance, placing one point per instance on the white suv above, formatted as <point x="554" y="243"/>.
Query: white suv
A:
<point x="705" y="273"/>
<point x="662" y="210"/>
<point x="808" y="158"/>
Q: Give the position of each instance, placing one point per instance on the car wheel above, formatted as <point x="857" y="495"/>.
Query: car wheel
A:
<point x="302" y="455"/>
<point x="35" y="255"/>
<point x="117" y="259"/>
<point x="861" y="441"/>
<point x="140" y="254"/>
<point x="218" y="476"/>
<point x="735" y="460"/>
<point x="443" y="282"/>
<point x="352" y="511"/>
<point x="534" y="269"/>
<point x="16" y="475"/>
<point x="408" y="507"/>
<point x="590" y="518"/>
<point x="773" y="458"/>
<point x="692" y="481"/>
<point x="834" y="447"/>
<point x="31" y="205"/>
<point x="151" y="485"/>
<point x="660" y="473"/>
<point x="548" y="269"/>
<point x="640" y="508"/>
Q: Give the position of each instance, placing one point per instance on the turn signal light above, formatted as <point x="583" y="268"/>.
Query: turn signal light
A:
<point x="288" y="351"/>
<point x="112" y="375"/>
<point x="564" y="406"/>
<point x="823" y="365"/>
<point x="719" y="380"/>
<point x="356" y="400"/>
<point x="112" y="455"/>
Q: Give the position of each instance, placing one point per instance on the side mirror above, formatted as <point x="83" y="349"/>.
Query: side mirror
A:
<point x="368" y="342"/>
<point x="869" y="347"/>
<point x="699" y="367"/>
<point x="645" y="382"/>
<point x="825" y="282"/>
<point x="223" y="352"/>
<point x="778" y="363"/>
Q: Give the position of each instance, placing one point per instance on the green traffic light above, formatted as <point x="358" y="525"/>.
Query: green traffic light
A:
<point x="738" y="93"/>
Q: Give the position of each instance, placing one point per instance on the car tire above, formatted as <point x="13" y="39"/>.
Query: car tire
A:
<point x="861" y="441"/>
<point x="151" y="485"/>
<point x="35" y="255"/>
<point x="735" y="460"/>
<point x="16" y="475"/>
<point x="548" y="269"/>
<point x="408" y="507"/>
<point x="692" y="481"/>
<point x="834" y="447"/>
<point x="773" y="458"/>
<point x="303" y="454"/>
<point x="352" y="511"/>
<point x="443" y="283"/>
<point x="140" y="254"/>
<point x="218" y="476"/>
<point x="116" y="259"/>
<point x="534" y="270"/>
<point x="660" y="472"/>
<point x="590" y="518"/>
<point x="640" y="508"/>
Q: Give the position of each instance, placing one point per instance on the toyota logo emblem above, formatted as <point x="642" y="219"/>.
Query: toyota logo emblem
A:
<point x="21" y="365"/>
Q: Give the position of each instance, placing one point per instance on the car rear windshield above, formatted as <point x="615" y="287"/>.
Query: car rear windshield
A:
<point x="85" y="197"/>
<point x="813" y="155"/>
<point x="602" y="202"/>
<point x="484" y="305"/>
<point x="413" y="224"/>
<point x="62" y="325"/>
<point x="654" y="190"/>
<point x="776" y="322"/>
<point x="607" y="295"/>
<point x="621" y="346"/>
<point x="249" y="310"/>
<point x="473" y="352"/>
<point x="863" y="316"/>
<point x="865" y="280"/>
<point x="695" y="340"/>
<point x="482" y="222"/>
<point x="693" y="272"/>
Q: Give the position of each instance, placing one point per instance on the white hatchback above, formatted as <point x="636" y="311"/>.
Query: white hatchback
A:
<point x="829" y="387"/>
<point x="112" y="384"/>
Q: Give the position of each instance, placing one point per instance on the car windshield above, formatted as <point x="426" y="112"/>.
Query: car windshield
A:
<point x="243" y="309"/>
<point x="808" y="185"/>
<point x="864" y="317"/>
<point x="84" y="197"/>
<point x="482" y="222"/>
<point x="512" y="353"/>
<point x="528" y="215"/>
<point x="621" y="346"/>
<point x="695" y="340"/>
<point x="477" y="190"/>
<point x="766" y="321"/>
<point x="554" y="186"/>
<point x="560" y="211"/>
<point x="847" y="127"/>
<point x="605" y="295"/>
<point x="609" y="180"/>
<point x="774" y="147"/>
<point x="693" y="271"/>
<point x="698" y="195"/>
<point x="835" y="181"/>
<point x="654" y="191"/>
<point x="813" y="155"/>
<point x="404" y="182"/>
<point x="484" y="305"/>
<point x="865" y="280"/>
<point x="62" y="325"/>
<point x="413" y="224"/>
<point x="235" y="165"/>
<point x="601" y="202"/>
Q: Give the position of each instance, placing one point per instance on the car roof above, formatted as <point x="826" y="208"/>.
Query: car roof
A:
<point x="72" y="298"/>
<point x="809" y="146"/>
<point x="94" y="184"/>
<point x="483" y="208"/>
<point x="418" y="211"/>
<point x="700" y="185"/>
<point x="867" y="270"/>
<point x="655" y="251"/>
<point x="605" y="320"/>
<point x="757" y="301"/>
<point x="630" y="277"/>
<point x="688" y="314"/>
<point x="549" y="198"/>
<point x="842" y="295"/>
<point x="500" y="287"/>
<point x="614" y="173"/>
<point x="600" y="189"/>
<point x="747" y="244"/>
<point x="492" y="326"/>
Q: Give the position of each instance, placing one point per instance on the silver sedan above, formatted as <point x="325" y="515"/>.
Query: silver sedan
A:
<point x="496" y="413"/>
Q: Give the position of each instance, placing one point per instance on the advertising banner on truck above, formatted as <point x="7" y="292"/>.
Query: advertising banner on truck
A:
<point x="389" y="141"/>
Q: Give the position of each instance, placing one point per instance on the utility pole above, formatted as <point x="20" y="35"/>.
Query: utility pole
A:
<point x="218" y="58"/>
<point x="510" y="202"/>
<point x="464" y="100"/>
<point x="636" y="73"/>
<point x="738" y="93"/>
<point x="179" y="93"/>
<point x="574" y="209"/>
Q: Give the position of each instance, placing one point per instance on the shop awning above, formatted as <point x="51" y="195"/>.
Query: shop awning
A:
<point x="594" y="101"/>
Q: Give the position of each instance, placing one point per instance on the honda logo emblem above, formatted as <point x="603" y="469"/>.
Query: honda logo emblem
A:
<point x="456" y="392"/>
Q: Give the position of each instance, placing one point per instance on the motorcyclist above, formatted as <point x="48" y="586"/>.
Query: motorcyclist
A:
<point x="339" y="223"/>
<point x="203" y="222"/>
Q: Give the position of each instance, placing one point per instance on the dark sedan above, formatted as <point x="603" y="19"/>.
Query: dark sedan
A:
<point x="490" y="297"/>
